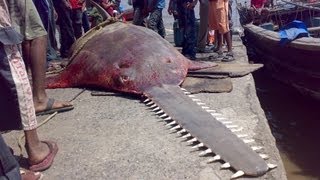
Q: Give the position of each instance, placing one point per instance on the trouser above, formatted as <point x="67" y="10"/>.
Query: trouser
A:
<point x="156" y="22"/>
<point x="85" y="21"/>
<point x="187" y="21"/>
<point x="9" y="167"/>
<point x="137" y="16"/>
<point x="203" y="29"/>
<point x="66" y="29"/>
<point x="76" y="16"/>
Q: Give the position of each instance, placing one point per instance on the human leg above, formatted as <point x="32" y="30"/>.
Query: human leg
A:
<point x="161" y="28"/>
<point x="137" y="16"/>
<point x="203" y="29"/>
<point x="85" y="21"/>
<point x="190" y="34"/>
<point x="77" y="22"/>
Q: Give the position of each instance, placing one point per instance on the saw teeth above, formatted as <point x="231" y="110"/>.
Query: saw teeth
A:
<point x="205" y="107"/>
<point x="200" y="103"/>
<point x="167" y="119"/>
<point x="164" y="115"/>
<point x="242" y="135"/>
<point x="211" y="111"/>
<point x="175" y="127"/>
<point x="153" y="106"/>
<point x="186" y="136"/>
<point x="182" y="131"/>
<point x="231" y="126"/>
<point x="156" y="109"/>
<point x="147" y="100"/>
<point x="196" y="100"/>
<point x="205" y="152"/>
<point x="226" y="122"/>
<point x="256" y="148"/>
<point x="187" y="93"/>
<point x="150" y="103"/>
<point x="159" y="112"/>
<point x="272" y="166"/>
<point x="192" y="140"/>
<point x="221" y="118"/>
<point x="237" y="174"/>
<point x="197" y="146"/>
<point x="264" y="156"/>
<point x="183" y="89"/>
<point x="192" y="96"/>
<point x="215" y="158"/>
<point x="248" y="141"/>
<point x="225" y="165"/>
<point x="237" y="130"/>
<point x="172" y="123"/>
<point x="216" y="114"/>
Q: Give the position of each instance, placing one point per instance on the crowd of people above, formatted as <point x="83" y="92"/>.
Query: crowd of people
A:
<point x="215" y="15"/>
<point x="28" y="42"/>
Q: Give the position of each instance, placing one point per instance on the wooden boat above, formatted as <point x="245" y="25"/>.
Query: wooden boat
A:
<point x="296" y="63"/>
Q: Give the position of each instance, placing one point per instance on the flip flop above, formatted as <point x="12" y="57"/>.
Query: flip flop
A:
<point x="29" y="175"/>
<point x="228" y="57"/>
<point x="49" y="109"/>
<point x="48" y="160"/>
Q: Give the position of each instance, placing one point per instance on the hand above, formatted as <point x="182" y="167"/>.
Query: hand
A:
<point x="170" y="10"/>
<point x="191" y="5"/>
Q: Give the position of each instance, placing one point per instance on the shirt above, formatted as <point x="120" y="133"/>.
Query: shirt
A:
<point x="75" y="4"/>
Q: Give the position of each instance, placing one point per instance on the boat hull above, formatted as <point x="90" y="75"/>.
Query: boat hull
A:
<point x="296" y="64"/>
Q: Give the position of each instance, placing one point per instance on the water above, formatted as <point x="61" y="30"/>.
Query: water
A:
<point x="295" y="123"/>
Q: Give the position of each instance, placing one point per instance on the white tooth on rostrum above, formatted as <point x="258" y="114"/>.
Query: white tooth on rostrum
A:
<point x="201" y="103"/>
<point x="147" y="100"/>
<point x="153" y="106"/>
<point x="187" y="93"/>
<point x="225" y="165"/>
<point x="150" y="103"/>
<point x="231" y="126"/>
<point x="248" y="141"/>
<point x="192" y="96"/>
<point x="182" y="131"/>
<point x="156" y="109"/>
<point x="237" y="174"/>
<point x="256" y="148"/>
<point x="164" y="115"/>
<point x="237" y="130"/>
<point x="216" y="114"/>
<point x="242" y="135"/>
<point x="272" y="166"/>
<point x="205" y="107"/>
<point x="175" y="127"/>
<point x="192" y="140"/>
<point x="210" y="110"/>
<point x="183" y="89"/>
<point x="221" y="118"/>
<point x="205" y="152"/>
<point x="159" y="112"/>
<point x="172" y="123"/>
<point x="264" y="156"/>
<point x="197" y="146"/>
<point x="226" y="122"/>
<point x="196" y="100"/>
<point x="186" y="136"/>
<point x="167" y="119"/>
<point x="215" y="158"/>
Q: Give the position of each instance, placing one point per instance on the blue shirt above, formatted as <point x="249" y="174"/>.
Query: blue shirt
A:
<point x="160" y="4"/>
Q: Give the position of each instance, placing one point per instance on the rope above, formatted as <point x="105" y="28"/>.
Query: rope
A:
<point x="42" y="123"/>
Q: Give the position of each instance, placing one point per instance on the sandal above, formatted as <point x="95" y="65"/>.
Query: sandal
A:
<point x="228" y="57"/>
<point x="30" y="175"/>
<point x="48" y="160"/>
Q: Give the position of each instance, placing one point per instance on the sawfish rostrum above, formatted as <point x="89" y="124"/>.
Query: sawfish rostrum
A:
<point x="131" y="59"/>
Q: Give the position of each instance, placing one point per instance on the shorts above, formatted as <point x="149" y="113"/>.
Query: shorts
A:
<point x="25" y="19"/>
<point x="218" y="16"/>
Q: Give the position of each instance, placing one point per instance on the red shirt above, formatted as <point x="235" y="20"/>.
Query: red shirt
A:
<point x="257" y="3"/>
<point x="75" y="4"/>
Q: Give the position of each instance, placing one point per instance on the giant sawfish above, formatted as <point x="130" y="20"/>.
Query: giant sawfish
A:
<point x="131" y="59"/>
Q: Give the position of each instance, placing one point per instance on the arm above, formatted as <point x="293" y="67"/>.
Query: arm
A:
<point x="192" y="4"/>
<point x="170" y="7"/>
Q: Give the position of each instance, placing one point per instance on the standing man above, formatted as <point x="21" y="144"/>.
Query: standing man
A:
<point x="139" y="7"/>
<point x="187" y="21"/>
<point x="76" y="17"/>
<point x="155" y="19"/>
